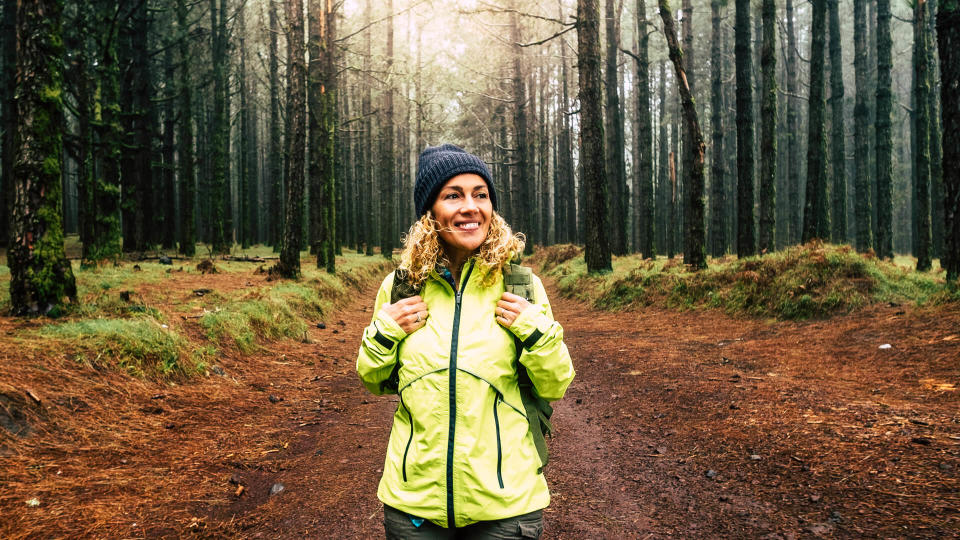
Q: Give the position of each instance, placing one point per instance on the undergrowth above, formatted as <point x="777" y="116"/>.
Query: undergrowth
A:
<point x="813" y="280"/>
<point x="124" y="320"/>
<point x="142" y="347"/>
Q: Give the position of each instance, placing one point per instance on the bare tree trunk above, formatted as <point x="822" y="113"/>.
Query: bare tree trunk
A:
<point x="746" y="240"/>
<point x="839" y="165"/>
<point x="694" y="252"/>
<point x="718" y="237"/>
<point x="884" y="171"/>
<point x="289" y="265"/>
<point x="948" y="39"/>
<point x="597" y="253"/>
<point x="768" y="128"/>
<point x="861" y="119"/>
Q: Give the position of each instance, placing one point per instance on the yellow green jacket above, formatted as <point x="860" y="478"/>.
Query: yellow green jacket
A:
<point x="460" y="450"/>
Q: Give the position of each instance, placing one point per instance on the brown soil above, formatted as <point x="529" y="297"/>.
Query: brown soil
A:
<point x="806" y="429"/>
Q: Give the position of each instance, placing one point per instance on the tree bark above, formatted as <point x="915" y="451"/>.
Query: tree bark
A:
<point x="275" y="163"/>
<point x="388" y="202"/>
<point x="40" y="274"/>
<point x="948" y="39"/>
<point x="861" y="125"/>
<point x="839" y="162"/>
<point x="768" y="129"/>
<point x="614" y="130"/>
<point x="694" y="252"/>
<point x="289" y="264"/>
<point x="185" y="140"/>
<point x="746" y="239"/>
<point x="597" y="251"/>
<point x="884" y="170"/>
<point x="793" y="129"/>
<point x="718" y="238"/>
<point x="815" y="217"/>
<point x="644" y="198"/>
<point x="921" y="126"/>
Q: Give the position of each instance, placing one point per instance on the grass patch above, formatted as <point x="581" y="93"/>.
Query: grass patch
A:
<point x="246" y="322"/>
<point x="802" y="282"/>
<point x="141" y="347"/>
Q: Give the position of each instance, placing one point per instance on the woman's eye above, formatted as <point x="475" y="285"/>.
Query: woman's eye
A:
<point x="482" y="195"/>
<point x="451" y="196"/>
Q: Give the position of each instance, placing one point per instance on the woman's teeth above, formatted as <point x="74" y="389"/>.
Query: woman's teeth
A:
<point x="468" y="226"/>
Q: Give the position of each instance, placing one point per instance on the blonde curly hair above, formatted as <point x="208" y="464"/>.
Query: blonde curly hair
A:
<point x="422" y="250"/>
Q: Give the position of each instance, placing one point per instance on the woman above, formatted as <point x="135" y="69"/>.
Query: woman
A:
<point x="461" y="461"/>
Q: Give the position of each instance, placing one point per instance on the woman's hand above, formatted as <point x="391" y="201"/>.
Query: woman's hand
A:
<point x="509" y="307"/>
<point x="410" y="313"/>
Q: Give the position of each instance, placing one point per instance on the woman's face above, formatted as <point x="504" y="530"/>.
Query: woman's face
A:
<point x="463" y="209"/>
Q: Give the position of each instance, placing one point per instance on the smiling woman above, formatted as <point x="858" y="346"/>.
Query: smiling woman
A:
<point x="454" y="342"/>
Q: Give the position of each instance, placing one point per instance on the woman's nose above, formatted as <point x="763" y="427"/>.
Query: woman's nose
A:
<point x="469" y="204"/>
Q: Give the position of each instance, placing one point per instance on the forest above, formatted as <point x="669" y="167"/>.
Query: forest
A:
<point x="759" y="198"/>
<point x="235" y="123"/>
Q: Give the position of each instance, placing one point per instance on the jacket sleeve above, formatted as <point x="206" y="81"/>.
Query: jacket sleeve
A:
<point x="544" y="354"/>
<point x="378" y="347"/>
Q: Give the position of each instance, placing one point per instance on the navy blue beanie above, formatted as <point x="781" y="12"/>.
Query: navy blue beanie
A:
<point x="437" y="164"/>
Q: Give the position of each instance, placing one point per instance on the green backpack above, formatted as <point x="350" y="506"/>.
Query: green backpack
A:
<point x="518" y="280"/>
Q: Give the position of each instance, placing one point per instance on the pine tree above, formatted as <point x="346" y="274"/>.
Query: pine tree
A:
<point x="694" y="252"/>
<point x="289" y="265"/>
<point x="718" y="237"/>
<point x="884" y="171"/>
<point x="948" y="40"/>
<point x="921" y="126"/>
<point x="861" y="121"/>
<point x="40" y="274"/>
<point x="815" y="216"/>
<point x="839" y="161"/>
<point x="644" y="155"/>
<point x="597" y="252"/>
<point x="746" y="239"/>
<point x="185" y="139"/>
<point x="616" y="168"/>
<point x="768" y="128"/>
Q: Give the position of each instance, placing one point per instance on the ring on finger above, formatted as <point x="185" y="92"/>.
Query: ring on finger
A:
<point x="418" y="317"/>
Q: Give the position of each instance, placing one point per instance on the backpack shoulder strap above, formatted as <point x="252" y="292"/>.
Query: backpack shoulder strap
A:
<point x="518" y="280"/>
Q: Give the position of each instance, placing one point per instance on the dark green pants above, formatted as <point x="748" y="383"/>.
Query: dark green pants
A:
<point x="400" y="526"/>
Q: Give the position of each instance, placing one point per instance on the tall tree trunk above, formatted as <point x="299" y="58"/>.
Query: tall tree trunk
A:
<point x="921" y="126"/>
<point x="861" y="125"/>
<point x="245" y="183"/>
<point x="884" y="171"/>
<point x="597" y="253"/>
<point x="220" y="221"/>
<point x="663" y="183"/>
<point x="367" y="135"/>
<point x="388" y="202"/>
<point x="694" y="252"/>
<point x="289" y="265"/>
<point x="839" y="162"/>
<point x="718" y="238"/>
<point x="521" y="177"/>
<point x="793" y="129"/>
<point x="644" y="135"/>
<point x="815" y="218"/>
<point x="8" y="111"/>
<point x="746" y="239"/>
<point x="40" y="274"/>
<point x="185" y="139"/>
<point x="936" y="148"/>
<point x="948" y="40"/>
<point x="614" y="131"/>
<point x="323" y="108"/>
<point x="275" y="154"/>
<point x="168" y="176"/>
<point x="768" y="128"/>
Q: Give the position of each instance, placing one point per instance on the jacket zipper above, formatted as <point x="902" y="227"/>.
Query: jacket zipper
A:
<point x="496" y="421"/>
<point x="451" y="520"/>
<point x="410" y="440"/>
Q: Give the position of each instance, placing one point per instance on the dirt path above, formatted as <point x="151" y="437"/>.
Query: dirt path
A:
<point x="805" y="429"/>
<point x="686" y="425"/>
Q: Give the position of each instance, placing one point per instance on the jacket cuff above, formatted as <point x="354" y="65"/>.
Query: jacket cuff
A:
<point x="530" y="326"/>
<point x="387" y="329"/>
